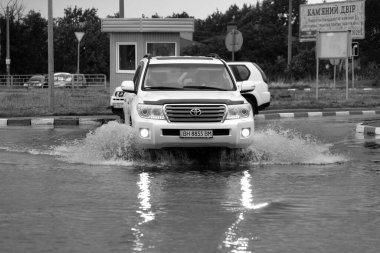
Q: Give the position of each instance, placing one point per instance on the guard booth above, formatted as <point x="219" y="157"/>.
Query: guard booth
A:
<point x="132" y="38"/>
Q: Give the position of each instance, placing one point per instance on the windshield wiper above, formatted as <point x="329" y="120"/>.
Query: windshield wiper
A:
<point x="162" y="88"/>
<point x="203" y="87"/>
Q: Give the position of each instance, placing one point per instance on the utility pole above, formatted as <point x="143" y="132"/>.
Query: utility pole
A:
<point x="290" y="19"/>
<point x="121" y="8"/>
<point x="50" y="56"/>
<point x="8" y="57"/>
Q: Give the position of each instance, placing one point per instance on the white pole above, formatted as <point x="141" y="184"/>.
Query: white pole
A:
<point x="317" y="62"/>
<point x="353" y="72"/>
<point x="334" y="76"/>
<point x="78" y="57"/>
<point x="317" y="80"/>
<point x="346" y="78"/>
<point x="233" y="44"/>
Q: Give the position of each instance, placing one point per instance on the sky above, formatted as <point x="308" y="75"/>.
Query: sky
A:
<point x="200" y="9"/>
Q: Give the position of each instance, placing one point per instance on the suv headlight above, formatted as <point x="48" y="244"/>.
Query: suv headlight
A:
<point x="150" y="111"/>
<point x="238" y="111"/>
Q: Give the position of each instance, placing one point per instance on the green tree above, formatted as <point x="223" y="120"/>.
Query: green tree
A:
<point x="16" y="27"/>
<point x="33" y="45"/>
<point x="94" y="53"/>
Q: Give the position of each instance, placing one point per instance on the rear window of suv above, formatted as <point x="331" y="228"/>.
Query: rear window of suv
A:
<point x="241" y="72"/>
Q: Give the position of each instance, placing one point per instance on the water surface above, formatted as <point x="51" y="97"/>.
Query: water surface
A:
<point x="306" y="185"/>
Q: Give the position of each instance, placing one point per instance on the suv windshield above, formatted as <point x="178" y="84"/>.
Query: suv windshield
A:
<point x="187" y="77"/>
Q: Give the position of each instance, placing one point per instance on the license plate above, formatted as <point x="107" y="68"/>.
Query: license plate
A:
<point x="195" y="133"/>
<point x="118" y="105"/>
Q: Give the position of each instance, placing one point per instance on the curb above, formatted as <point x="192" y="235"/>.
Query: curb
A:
<point x="96" y="121"/>
<point x="366" y="129"/>
<point x="55" y="122"/>
<point x="342" y="88"/>
<point x="313" y="114"/>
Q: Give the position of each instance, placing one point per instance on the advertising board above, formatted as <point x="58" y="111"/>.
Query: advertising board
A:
<point x="333" y="16"/>
<point x="333" y="45"/>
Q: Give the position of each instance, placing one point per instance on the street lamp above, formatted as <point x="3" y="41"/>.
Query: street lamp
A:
<point x="290" y="19"/>
<point x="79" y="36"/>
<point x="8" y="58"/>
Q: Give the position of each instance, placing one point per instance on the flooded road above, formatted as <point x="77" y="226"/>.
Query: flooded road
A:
<point x="306" y="185"/>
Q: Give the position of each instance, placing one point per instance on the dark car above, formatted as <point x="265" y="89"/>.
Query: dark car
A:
<point x="38" y="81"/>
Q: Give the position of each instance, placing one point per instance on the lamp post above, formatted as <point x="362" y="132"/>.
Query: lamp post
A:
<point x="50" y="55"/>
<point x="79" y="36"/>
<point x="8" y="58"/>
<point x="290" y="19"/>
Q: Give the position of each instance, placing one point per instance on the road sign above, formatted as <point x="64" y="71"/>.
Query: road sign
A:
<point x="334" y="61"/>
<point x="234" y="40"/>
<point x="79" y="35"/>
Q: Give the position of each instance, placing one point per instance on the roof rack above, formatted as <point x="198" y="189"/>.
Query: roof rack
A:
<point x="148" y="56"/>
<point x="213" y="55"/>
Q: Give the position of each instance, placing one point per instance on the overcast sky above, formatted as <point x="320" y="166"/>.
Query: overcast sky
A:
<point x="135" y="8"/>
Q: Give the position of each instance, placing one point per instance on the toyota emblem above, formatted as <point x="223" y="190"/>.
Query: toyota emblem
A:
<point x="195" y="112"/>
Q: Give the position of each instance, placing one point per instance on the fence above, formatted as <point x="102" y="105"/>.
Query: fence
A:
<point x="72" y="80"/>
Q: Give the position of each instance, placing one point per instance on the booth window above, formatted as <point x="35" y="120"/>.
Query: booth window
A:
<point x="161" y="48"/>
<point x="126" y="57"/>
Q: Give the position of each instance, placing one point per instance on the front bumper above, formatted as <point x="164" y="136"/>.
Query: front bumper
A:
<point x="163" y="134"/>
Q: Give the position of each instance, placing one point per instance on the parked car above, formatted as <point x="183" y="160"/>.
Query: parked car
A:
<point x="259" y="98"/>
<point x="39" y="81"/>
<point x="117" y="100"/>
<point x="67" y="80"/>
<point x="79" y="80"/>
<point x="187" y="102"/>
<point x="62" y="80"/>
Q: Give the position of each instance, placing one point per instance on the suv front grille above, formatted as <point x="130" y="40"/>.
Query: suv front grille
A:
<point x="195" y="112"/>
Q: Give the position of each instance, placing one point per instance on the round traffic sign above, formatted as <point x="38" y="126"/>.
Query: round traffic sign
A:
<point x="234" y="40"/>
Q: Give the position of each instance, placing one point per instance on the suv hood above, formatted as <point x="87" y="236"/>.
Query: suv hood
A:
<point x="197" y="97"/>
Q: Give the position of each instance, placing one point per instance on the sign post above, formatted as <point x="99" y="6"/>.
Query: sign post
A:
<point x="234" y="41"/>
<point x="333" y="26"/>
<point x="334" y="62"/>
<point x="355" y="52"/>
<point x="79" y="36"/>
<point x="333" y="45"/>
<point x="234" y="38"/>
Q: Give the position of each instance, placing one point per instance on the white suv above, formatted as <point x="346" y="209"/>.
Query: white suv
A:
<point x="243" y="71"/>
<point x="187" y="102"/>
<point x="117" y="101"/>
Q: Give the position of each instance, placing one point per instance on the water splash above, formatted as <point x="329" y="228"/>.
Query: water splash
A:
<point x="276" y="145"/>
<point x="115" y="143"/>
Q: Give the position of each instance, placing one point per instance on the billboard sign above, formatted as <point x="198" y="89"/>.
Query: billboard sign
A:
<point x="334" y="17"/>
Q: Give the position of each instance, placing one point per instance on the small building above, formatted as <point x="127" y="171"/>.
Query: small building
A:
<point x="132" y="38"/>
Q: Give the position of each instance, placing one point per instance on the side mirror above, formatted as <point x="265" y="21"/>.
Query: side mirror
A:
<point x="238" y="84"/>
<point x="247" y="86"/>
<point x="128" y="86"/>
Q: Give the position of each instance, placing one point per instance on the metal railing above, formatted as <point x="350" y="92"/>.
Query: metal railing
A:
<point x="90" y="81"/>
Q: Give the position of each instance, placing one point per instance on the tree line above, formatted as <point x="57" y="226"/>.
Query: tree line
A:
<point x="264" y="26"/>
